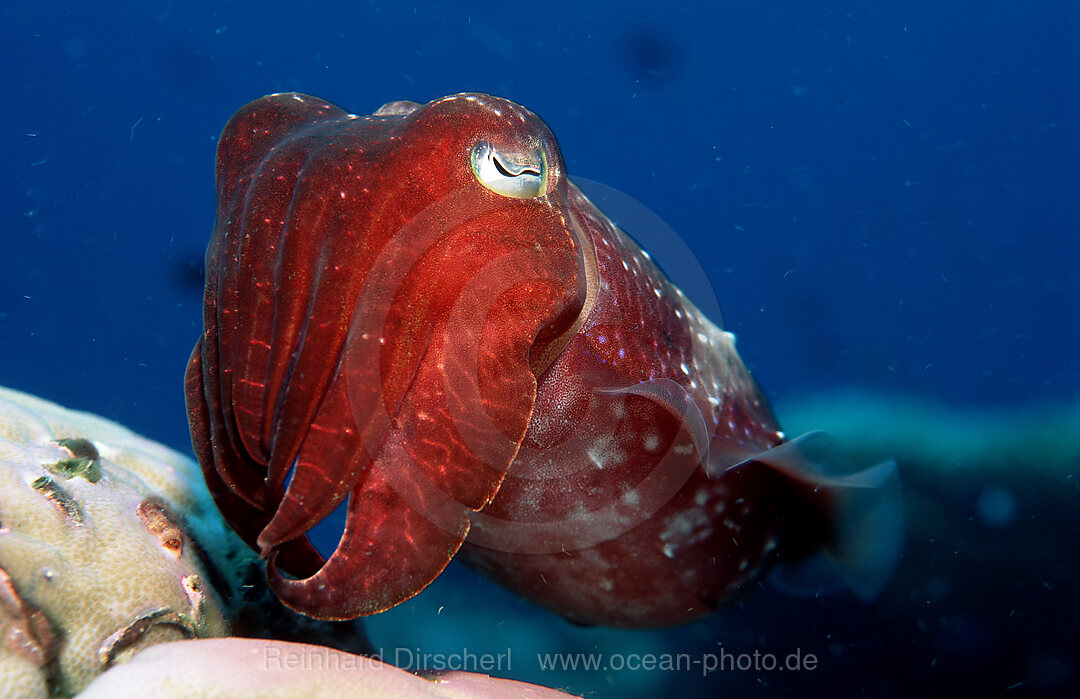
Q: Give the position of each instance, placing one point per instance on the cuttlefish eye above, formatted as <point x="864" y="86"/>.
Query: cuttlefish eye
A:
<point x="518" y="174"/>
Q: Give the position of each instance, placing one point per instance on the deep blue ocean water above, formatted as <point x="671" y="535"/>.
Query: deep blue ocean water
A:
<point x="883" y="195"/>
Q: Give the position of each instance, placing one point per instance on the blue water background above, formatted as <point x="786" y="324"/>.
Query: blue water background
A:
<point x="884" y="195"/>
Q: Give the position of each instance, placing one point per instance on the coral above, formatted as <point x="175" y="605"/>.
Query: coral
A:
<point x="276" y="669"/>
<point x="103" y="548"/>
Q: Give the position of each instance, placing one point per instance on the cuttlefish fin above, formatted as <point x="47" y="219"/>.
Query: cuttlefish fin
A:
<point x="864" y="513"/>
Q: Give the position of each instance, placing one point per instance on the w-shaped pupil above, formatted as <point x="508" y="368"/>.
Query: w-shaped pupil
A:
<point x="502" y="170"/>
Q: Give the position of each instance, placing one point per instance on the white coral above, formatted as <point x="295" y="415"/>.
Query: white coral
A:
<point x="97" y="558"/>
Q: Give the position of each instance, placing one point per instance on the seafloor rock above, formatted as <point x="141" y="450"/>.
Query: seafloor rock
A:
<point x="987" y="594"/>
<point x="96" y="561"/>
<point x="233" y="667"/>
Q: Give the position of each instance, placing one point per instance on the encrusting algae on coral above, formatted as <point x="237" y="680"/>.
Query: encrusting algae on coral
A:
<point x="95" y="562"/>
